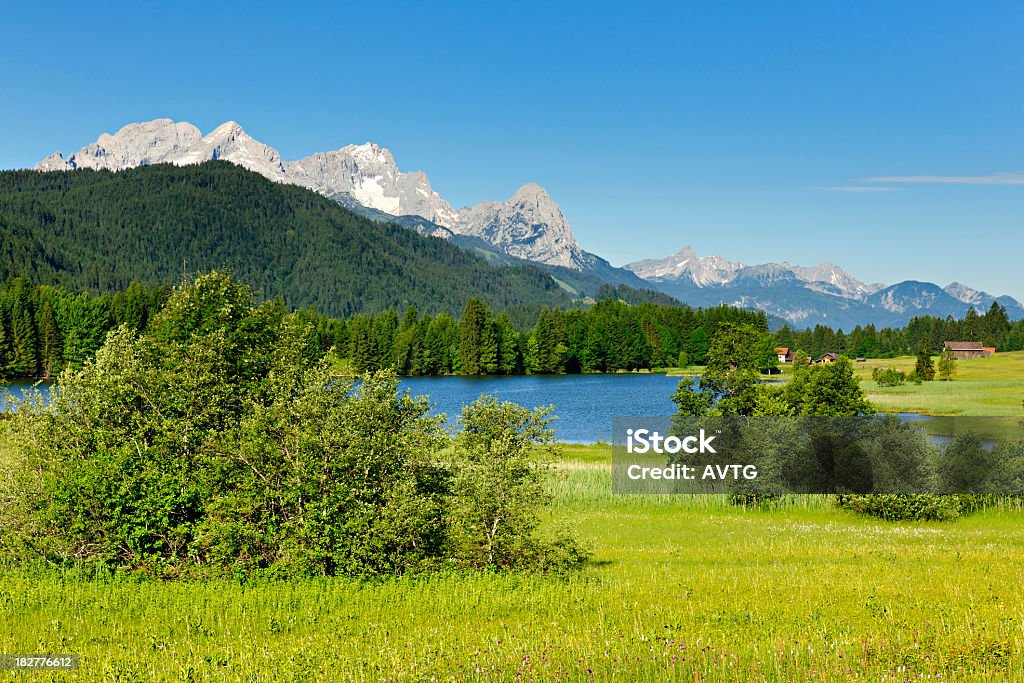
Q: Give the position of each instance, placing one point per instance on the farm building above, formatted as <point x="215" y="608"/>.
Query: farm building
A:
<point x="783" y="353"/>
<point x="962" y="350"/>
<point x="827" y="358"/>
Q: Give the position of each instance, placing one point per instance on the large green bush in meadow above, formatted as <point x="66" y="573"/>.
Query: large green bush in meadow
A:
<point x="218" y="442"/>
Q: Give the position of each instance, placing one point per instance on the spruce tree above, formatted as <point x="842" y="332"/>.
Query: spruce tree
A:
<point x="925" y="367"/>
<point x="509" y="355"/>
<point x="478" y="343"/>
<point x="25" y="361"/>
<point x="698" y="346"/>
<point x="51" y="346"/>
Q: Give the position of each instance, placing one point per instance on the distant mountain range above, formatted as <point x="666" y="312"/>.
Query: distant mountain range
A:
<point x="530" y="227"/>
<point x="803" y="296"/>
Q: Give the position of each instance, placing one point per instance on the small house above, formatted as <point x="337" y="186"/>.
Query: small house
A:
<point x="963" y="350"/>
<point x="783" y="353"/>
<point x="827" y="358"/>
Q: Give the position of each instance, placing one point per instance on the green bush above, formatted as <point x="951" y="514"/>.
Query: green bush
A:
<point x="894" y="507"/>
<point x="219" y="443"/>
<point x="499" y="485"/>
<point x="889" y="377"/>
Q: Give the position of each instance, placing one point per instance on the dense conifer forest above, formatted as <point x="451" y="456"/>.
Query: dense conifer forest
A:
<point x="99" y="231"/>
<point x="44" y="329"/>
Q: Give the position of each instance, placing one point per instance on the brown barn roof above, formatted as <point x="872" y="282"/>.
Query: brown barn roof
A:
<point x="964" y="346"/>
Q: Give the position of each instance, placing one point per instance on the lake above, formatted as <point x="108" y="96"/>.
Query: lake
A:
<point x="584" y="404"/>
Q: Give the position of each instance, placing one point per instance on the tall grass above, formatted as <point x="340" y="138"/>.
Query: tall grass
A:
<point x="680" y="588"/>
<point x="982" y="386"/>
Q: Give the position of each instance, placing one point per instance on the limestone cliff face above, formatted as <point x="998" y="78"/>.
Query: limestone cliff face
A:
<point x="529" y="225"/>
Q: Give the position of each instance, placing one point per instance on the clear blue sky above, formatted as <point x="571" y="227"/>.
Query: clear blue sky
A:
<point x="746" y="129"/>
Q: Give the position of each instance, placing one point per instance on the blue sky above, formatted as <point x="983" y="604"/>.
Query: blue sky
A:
<point x="747" y="129"/>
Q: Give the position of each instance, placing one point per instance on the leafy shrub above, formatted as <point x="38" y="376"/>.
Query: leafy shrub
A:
<point x="889" y="377"/>
<point x="499" y="487"/>
<point x="219" y="443"/>
<point x="894" y="507"/>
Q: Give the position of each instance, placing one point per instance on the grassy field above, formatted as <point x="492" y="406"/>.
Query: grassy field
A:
<point x="982" y="386"/>
<point x="680" y="588"/>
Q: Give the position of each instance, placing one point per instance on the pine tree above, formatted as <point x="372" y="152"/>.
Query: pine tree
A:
<point x="51" y="345"/>
<point x="510" y="359"/>
<point x="971" y="325"/>
<point x="361" y="349"/>
<point x="25" y="341"/>
<point x="925" y="367"/>
<point x="5" y="343"/>
<point x="995" y="325"/>
<point x="478" y="342"/>
<point x="698" y="347"/>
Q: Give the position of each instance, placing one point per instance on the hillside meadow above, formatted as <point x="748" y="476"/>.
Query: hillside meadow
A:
<point x="679" y="588"/>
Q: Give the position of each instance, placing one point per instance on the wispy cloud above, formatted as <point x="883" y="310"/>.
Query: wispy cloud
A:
<point x="857" y="188"/>
<point x="994" y="179"/>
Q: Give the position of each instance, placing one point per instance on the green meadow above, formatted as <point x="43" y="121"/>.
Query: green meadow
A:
<point x="679" y="588"/>
<point x="982" y="386"/>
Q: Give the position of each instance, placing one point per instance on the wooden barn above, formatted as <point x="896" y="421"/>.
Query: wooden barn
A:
<point x="963" y="350"/>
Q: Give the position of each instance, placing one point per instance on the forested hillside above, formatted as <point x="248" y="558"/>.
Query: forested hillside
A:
<point x="99" y="231"/>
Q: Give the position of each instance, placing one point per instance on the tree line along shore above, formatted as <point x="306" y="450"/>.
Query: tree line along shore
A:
<point x="45" y="328"/>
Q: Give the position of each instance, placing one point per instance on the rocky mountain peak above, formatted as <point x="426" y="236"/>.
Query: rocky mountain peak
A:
<point x="532" y="192"/>
<point x="230" y="142"/>
<point x="371" y="153"/>
<point x="136" y="144"/>
<point x="963" y="293"/>
<point x="529" y="225"/>
<point x="685" y="264"/>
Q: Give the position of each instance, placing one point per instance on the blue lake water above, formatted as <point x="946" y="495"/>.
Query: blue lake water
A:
<point x="584" y="404"/>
